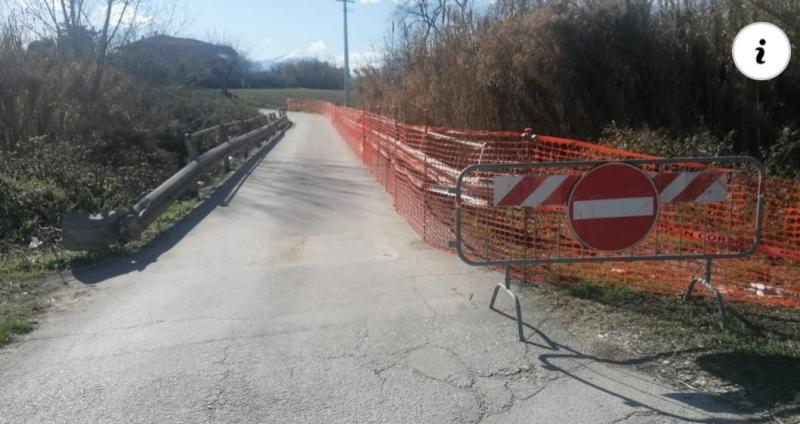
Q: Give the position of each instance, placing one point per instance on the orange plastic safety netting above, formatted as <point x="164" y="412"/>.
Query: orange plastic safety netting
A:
<point x="416" y="164"/>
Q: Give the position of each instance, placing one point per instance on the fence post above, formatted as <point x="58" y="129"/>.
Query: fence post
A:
<point x="384" y="161"/>
<point x="364" y="137"/>
<point x="425" y="180"/>
<point x="394" y="155"/>
<point x="528" y="138"/>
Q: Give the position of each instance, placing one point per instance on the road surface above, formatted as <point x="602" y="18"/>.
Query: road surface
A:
<point x="296" y="295"/>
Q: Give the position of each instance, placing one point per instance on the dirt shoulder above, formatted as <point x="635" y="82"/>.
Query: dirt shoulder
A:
<point x="754" y="364"/>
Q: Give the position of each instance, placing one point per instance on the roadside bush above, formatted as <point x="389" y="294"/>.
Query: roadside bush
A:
<point x="653" y="75"/>
<point x="661" y="143"/>
<point x="783" y="156"/>
<point x="62" y="149"/>
<point x="107" y="168"/>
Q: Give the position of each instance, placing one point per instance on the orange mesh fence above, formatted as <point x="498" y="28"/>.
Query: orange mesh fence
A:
<point x="416" y="164"/>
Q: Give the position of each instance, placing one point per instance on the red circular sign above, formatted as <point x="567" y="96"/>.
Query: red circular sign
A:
<point x="613" y="207"/>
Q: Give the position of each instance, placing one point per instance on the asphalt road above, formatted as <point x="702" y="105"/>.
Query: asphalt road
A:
<point x="296" y="295"/>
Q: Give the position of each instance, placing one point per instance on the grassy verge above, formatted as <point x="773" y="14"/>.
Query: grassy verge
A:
<point x="758" y="354"/>
<point x="274" y="98"/>
<point x="23" y="276"/>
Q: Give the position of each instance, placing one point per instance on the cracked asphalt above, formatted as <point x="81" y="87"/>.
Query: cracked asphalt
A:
<point x="295" y="294"/>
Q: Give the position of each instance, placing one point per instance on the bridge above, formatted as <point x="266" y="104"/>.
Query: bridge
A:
<point x="295" y="293"/>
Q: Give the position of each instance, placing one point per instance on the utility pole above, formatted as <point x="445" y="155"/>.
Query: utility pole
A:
<point x="346" y="55"/>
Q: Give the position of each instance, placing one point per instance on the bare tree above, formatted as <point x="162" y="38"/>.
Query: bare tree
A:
<point x="111" y="26"/>
<point x="97" y="26"/>
<point x="425" y="14"/>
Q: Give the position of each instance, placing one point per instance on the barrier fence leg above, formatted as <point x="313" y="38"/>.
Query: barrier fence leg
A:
<point x="506" y="286"/>
<point x="706" y="282"/>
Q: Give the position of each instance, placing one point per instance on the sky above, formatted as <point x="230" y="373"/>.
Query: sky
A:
<point x="266" y="30"/>
<point x="270" y="29"/>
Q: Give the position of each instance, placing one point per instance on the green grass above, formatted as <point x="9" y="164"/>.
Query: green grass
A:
<point x="23" y="276"/>
<point x="270" y="98"/>
<point x="12" y="327"/>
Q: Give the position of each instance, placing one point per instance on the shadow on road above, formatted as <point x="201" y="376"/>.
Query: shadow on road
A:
<point x="705" y="402"/>
<point x="770" y="379"/>
<point x="165" y="241"/>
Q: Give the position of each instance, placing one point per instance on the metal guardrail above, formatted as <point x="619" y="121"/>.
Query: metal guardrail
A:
<point x="83" y="231"/>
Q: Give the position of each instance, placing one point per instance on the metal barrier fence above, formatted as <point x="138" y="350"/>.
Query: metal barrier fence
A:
<point x="418" y="165"/>
<point x="597" y="211"/>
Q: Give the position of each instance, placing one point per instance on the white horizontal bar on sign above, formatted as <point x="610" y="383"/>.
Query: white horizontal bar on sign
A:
<point x="613" y="208"/>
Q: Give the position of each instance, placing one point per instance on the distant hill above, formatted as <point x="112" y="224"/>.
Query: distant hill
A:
<point x="268" y="64"/>
<point x="264" y="64"/>
<point x="170" y="60"/>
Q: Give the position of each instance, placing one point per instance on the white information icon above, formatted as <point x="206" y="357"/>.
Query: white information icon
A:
<point x="761" y="51"/>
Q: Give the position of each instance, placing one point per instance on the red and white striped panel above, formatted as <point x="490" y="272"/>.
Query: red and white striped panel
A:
<point x="698" y="187"/>
<point x="532" y="191"/>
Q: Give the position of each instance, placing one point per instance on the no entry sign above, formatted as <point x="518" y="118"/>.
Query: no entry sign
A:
<point x="613" y="207"/>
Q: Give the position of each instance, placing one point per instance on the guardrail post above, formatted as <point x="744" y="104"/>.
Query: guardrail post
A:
<point x="222" y="134"/>
<point x="194" y="189"/>
<point x="269" y="133"/>
<point x="191" y="148"/>
<point x="248" y="127"/>
<point x="221" y="138"/>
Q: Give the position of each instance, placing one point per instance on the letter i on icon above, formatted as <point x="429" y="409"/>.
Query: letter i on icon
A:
<point x="760" y="50"/>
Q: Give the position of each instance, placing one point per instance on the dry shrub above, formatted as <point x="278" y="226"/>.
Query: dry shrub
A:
<point x="63" y="149"/>
<point x="573" y="68"/>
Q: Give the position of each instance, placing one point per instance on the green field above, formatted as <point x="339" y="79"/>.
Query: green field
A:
<point x="274" y="97"/>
